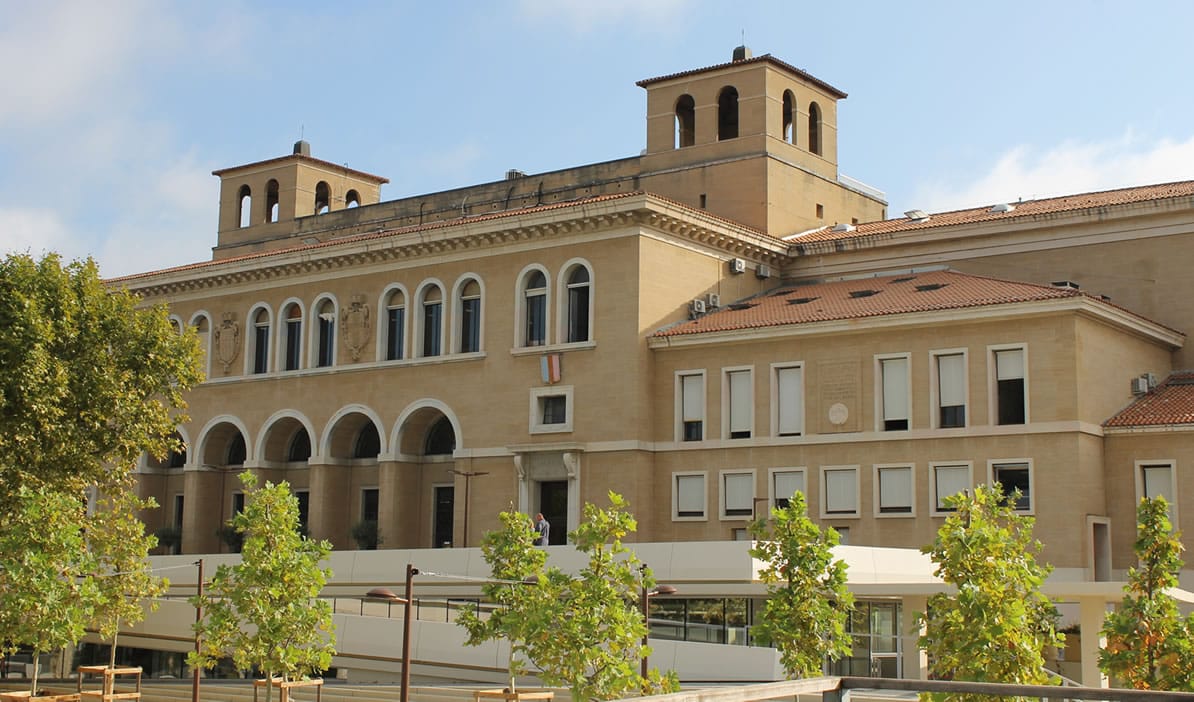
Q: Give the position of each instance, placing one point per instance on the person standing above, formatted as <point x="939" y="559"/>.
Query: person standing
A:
<point x="543" y="529"/>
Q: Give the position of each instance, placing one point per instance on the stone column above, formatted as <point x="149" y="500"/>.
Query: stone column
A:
<point x="330" y="516"/>
<point x="1090" y="622"/>
<point x="916" y="663"/>
<point x="201" y="502"/>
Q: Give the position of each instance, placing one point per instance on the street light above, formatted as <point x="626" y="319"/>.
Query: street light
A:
<point x="646" y="594"/>
<point x="382" y="593"/>
<point x="468" y="479"/>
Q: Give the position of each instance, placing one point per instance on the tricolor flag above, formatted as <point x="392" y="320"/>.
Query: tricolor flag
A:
<point x="549" y="367"/>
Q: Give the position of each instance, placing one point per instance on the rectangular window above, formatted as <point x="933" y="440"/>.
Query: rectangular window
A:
<point x="737" y="494"/>
<point x="536" y="319"/>
<point x="431" y="328"/>
<point x="839" y="486"/>
<point x="304" y="509"/>
<point x="688" y="495"/>
<point x="369" y="499"/>
<point x="1010" y="398"/>
<point x="1013" y="476"/>
<point x="739" y="403"/>
<point x="179" y="502"/>
<point x="788" y="394"/>
<point x="785" y="483"/>
<point x="1155" y="479"/>
<point x="238" y="503"/>
<point x="395" y="332"/>
<point x="327" y="339"/>
<point x="948" y="480"/>
<point x="551" y="409"/>
<point x="261" y="348"/>
<point x="895" y="399"/>
<point x="470" y="325"/>
<point x="951" y="389"/>
<point x="691" y="390"/>
<point x="893" y="488"/>
<point x="294" y="329"/>
<point x="555" y="409"/>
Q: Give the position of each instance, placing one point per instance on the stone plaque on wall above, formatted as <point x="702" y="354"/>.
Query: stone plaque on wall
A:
<point x="839" y="392"/>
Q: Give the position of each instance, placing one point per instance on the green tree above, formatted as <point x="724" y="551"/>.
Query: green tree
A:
<point x="120" y="546"/>
<point x="1150" y="646"/>
<point x="583" y="632"/>
<point x="808" y="604"/>
<point x="264" y="612"/>
<point x="89" y="378"/>
<point x="995" y="627"/>
<point x="47" y="591"/>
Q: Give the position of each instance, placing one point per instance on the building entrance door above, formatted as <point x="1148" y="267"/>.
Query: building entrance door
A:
<point x="445" y="504"/>
<point x="553" y="503"/>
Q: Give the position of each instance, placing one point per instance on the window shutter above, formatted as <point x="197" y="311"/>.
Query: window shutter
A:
<point x="739" y="492"/>
<point x="740" y="401"/>
<point x="790" y="386"/>
<point x="788" y="483"/>
<point x="950" y="481"/>
<point x="693" y="397"/>
<point x="690" y="495"/>
<point x="951" y="380"/>
<point x="895" y="487"/>
<point x="839" y="491"/>
<point x="1009" y="365"/>
<point x="895" y="388"/>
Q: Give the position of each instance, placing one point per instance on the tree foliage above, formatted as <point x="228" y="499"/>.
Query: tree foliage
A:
<point x="264" y="612"/>
<point x="583" y="632"/>
<point x="808" y="604"/>
<point x="120" y="546"/>
<point x="88" y="378"/>
<point x="996" y="626"/>
<point x="1150" y="646"/>
<point x="47" y="588"/>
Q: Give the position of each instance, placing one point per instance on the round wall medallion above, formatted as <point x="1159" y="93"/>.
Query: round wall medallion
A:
<point x="838" y="414"/>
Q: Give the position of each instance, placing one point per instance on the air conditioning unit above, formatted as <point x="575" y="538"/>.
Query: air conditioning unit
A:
<point x="1140" y="385"/>
<point x="737" y="265"/>
<point x="763" y="271"/>
<point x="696" y="308"/>
<point x="1151" y="379"/>
<point x="713" y="301"/>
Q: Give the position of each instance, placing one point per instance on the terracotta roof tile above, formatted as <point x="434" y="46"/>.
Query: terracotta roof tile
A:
<point x="337" y="167"/>
<point x="867" y="297"/>
<point x="1171" y="402"/>
<point x="1030" y="208"/>
<point x="757" y="59"/>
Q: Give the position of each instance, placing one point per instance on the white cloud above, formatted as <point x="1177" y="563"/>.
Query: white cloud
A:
<point x="1070" y="167"/>
<point x="37" y="231"/>
<point x="585" y="15"/>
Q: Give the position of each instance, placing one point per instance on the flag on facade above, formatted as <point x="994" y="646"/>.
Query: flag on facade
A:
<point x="550" y="368"/>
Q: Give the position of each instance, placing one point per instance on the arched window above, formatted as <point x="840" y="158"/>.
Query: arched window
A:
<point x="352" y="199"/>
<point x="432" y="317"/>
<point x="300" y="447"/>
<point x="789" y="117"/>
<point x="395" y="330"/>
<point x="236" y="451"/>
<point x="685" y="121"/>
<point x="293" y="314"/>
<point x="534" y="304"/>
<point x="441" y="438"/>
<point x="368" y="442"/>
<point x="323" y="197"/>
<point x="814" y="128"/>
<point x="202" y="326"/>
<point x="470" y="316"/>
<point x="244" y="199"/>
<point x="727" y="113"/>
<point x="325" y="349"/>
<point x="271" y="201"/>
<point x="577" y="314"/>
<point x="260" y="341"/>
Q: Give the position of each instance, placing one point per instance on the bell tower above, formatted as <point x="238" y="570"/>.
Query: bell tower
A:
<point x="262" y="202"/>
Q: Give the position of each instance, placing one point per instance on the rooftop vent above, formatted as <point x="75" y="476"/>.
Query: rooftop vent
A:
<point x="741" y="53"/>
<point x="801" y="300"/>
<point x="302" y="148"/>
<point x="515" y="174"/>
<point x="928" y="287"/>
<point x="862" y="293"/>
<point x="1002" y="207"/>
<point x="843" y="227"/>
<point x="738" y="306"/>
<point x="917" y="216"/>
<point x="1065" y="285"/>
<point x="904" y="279"/>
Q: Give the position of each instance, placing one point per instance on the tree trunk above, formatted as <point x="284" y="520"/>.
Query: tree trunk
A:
<point x="112" y="653"/>
<point x="36" y="665"/>
<point x="269" y="684"/>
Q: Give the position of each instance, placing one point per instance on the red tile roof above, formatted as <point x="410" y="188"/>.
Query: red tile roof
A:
<point x="867" y="297"/>
<point x="768" y="58"/>
<point x="1030" y="208"/>
<point x="1171" y="402"/>
<point x="337" y="167"/>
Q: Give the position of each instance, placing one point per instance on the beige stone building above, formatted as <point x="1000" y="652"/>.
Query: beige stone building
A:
<point x="704" y="328"/>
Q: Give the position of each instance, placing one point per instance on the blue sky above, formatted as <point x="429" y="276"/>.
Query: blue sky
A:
<point x="113" y="114"/>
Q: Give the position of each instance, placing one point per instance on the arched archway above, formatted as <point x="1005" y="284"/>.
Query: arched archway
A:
<point x="221" y="454"/>
<point x="424" y="504"/>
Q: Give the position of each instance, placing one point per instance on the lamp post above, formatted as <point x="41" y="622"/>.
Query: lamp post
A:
<point x="198" y="620"/>
<point x="646" y="595"/>
<point x="468" y="479"/>
<point x="381" y="593"/>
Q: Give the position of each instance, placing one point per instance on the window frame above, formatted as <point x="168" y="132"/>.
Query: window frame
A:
<point x="777" y="397"/>
<point x="564" y="301"/>
<point x="935" y="357"/>
<point x="458" y="316"/>
<point x="993" y="382"/>
<point x="383" y="326"/>
<point x="877" y="485"/>
<point x="727" y="402"/>
<point x="995" y="463"/>
<point x="723" y="512"/>
<point x="934" y="500"/>
<point x="678" y="408"/>
<point x="704" y="479"/>
<point x="521" y="306"/>
<point x="773" y="498"/>
<point x="420" y="322"/>
<point x="536" y="425"/>
<point x="284" y="323"/>
<point x="316" y="338"/>
<point x="826" y="513"/>
<point x="1171" y="465"/>
<point x="252" y="341"/>
<point x="881" y="418"/>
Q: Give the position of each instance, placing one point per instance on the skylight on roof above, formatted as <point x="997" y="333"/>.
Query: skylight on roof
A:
<point x="905" y="279"/>
<point x="862" y="293"/>
<point x="742" y="305"/>
<point x="927" y="287"/>
<point x="801" y="300"/>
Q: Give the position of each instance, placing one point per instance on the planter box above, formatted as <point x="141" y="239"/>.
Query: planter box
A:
<point x="108" y="693"/>
<point x="23" y="696"/>
<point x="284" y="688"/>
<point x="484" y="695"/>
